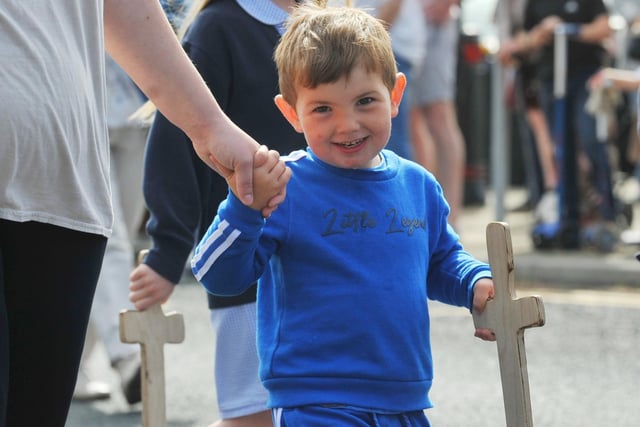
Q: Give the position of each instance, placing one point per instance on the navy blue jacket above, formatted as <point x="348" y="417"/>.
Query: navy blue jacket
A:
<point x="234" y="54"/>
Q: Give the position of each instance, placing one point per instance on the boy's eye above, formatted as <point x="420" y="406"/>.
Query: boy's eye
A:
<point x="321" y="109"/>
<point x="366" y="100"/>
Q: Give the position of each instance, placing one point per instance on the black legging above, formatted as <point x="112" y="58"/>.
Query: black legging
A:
<point x="48" y="276"/>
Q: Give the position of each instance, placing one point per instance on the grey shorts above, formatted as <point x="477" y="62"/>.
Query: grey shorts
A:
<point x="435" y="79"/>
<point x="238" y="387"/>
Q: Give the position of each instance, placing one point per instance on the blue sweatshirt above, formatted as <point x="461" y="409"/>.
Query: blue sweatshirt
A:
<point x="345" y="267"/>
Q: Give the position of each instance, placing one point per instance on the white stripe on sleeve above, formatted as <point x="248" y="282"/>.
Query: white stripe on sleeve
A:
<point x="211" y="257"/>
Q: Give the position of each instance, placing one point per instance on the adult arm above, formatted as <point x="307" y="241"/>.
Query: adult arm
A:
<point x="595" y="31"/>
<point x="139" y="37"/>
<point x="387" y="10"/>
<point x="625" y="80"/>
<point x="438" y="11"/>
<point x="542" y="34"/>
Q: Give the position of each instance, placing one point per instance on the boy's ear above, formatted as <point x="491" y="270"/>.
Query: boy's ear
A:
<point x="396" y="93"/>
<point x="288" y="112"/>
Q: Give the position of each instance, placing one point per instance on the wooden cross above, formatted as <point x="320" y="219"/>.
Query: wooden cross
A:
<point x="151" y="328"/>
<point x="508" y="317"/>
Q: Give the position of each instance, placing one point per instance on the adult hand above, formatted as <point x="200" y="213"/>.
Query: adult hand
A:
<point x="230" y="152"/>
<point x="507" y="50"/>
<point x="546" y="30"/>
<point x="597" y="80"/>
<point x="437" y="11"/>
<point x="238" y="162"/>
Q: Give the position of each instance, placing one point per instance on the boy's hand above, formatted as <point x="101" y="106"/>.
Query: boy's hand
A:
<point x="483" y="291"/>
<point x="270" y="177"/>
<point x="148" y="287"/>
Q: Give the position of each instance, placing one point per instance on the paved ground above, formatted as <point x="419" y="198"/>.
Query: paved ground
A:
<point x="583" y="364"/>
<point x="583" y="367"/>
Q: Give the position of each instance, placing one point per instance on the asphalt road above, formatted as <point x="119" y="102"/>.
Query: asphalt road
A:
<point x="583" y="365"/>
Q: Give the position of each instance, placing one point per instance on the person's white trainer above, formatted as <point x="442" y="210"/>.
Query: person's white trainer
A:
<point x="547" y="209"/>
<point x="88" y="389"/>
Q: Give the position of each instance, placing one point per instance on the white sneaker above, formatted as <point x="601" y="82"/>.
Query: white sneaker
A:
<point x="630" y="237"/>
<point x="547" y="209"/>
<point x="87" y="389"/>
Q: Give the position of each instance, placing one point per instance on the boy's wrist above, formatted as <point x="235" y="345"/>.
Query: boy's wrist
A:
<point x="237" y="204"/>
<point x="240" y="216"/>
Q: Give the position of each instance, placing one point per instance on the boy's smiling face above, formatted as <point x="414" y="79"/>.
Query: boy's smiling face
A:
<point x="348" y="122"/>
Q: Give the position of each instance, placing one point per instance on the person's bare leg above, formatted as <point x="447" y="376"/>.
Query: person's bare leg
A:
<point x="450" y="148"/>
<point x="423" y="148"/>
<point x="544" y="144"/>
<point x="547" y="208"/>
<point x="259" y="419"/>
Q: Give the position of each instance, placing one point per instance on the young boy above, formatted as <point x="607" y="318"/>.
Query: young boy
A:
<point x="346" y="263"/>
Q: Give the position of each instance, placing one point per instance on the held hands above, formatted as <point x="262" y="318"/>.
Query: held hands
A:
<point x="230" y="152"/>
<point x="270" y="177"/>
<point x="483" y="291"/>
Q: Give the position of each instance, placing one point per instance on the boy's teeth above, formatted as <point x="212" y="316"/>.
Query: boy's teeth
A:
<point x="352" y="143"/>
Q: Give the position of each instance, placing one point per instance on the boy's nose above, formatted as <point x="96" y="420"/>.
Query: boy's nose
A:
<point x="347" y="122"/>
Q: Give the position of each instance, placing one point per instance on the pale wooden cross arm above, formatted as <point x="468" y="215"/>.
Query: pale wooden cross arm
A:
<point x="508" y="317"/>
<point x="151" y="328"/>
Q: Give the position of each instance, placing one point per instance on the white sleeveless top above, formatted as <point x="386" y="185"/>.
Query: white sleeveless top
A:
<point x="54" y="152"/>
<point x="408" y="31"/>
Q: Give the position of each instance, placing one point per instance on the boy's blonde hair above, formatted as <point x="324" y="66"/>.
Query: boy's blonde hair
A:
<point x="323" y="44"/>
